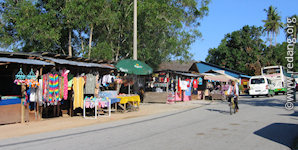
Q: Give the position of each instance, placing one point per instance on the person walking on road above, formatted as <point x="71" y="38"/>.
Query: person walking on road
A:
<point x="233" y="91"/>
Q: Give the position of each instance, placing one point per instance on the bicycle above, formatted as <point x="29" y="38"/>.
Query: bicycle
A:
<point x="232" y="106"/>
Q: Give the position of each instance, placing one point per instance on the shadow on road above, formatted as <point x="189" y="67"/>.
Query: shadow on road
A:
<point x="263" y="102"/>
<point x="282" y="133"/>
<point x="220" y="111"/>
<point x="294" y="114"/>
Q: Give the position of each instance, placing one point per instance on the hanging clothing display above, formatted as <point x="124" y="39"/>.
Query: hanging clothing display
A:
<point x="53" y="88"/>
<point x="195" y="83"/>
<point x="61" y="87"/>
<point x="39" y="92"/>
<point x="65" y="83"/>
<point x="107" y="79"/>
<point x="97" y="85"/>
<point x="188" y="91"/>
<point x="90" y="84"/>
<point x="45" y="87"/>
<point x="184" y="85"/>
<point x="78" y="87"/>
<point x="179" y="88"/>
<point x="188" y="82"/>
<point x="200" y="81"/>
<point x="32" y="96"/>
<point x="27" y="82"/>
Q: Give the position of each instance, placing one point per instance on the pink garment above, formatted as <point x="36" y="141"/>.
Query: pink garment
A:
<point x="65" y="92"/>
<point x="102" y="104"/>
<point x="87" y="104"/>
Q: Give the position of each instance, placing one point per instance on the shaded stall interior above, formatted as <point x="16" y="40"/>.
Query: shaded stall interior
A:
<point x="11" y="93"/>
<point x="10" y="64"/>
<point x="159" y="90"/>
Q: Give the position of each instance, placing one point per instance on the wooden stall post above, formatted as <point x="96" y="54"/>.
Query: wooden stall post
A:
<point x="23" y="89"/>
<point x="71" y="105"/>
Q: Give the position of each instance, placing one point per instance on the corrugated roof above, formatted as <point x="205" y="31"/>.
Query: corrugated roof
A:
<point x="25" y="61"/>
<point x="77" y="63"/>
<point x="175" y="66"/>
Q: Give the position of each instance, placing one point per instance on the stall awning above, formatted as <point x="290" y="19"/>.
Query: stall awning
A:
<point x="188" y="74"/>
<point x="220" y="78"/>
<point x="25" y="61"/>
<point x="76" y="63"/>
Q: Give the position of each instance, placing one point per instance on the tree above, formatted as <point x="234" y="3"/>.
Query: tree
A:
<point x="240" y="50"/>
<point x="166" y="28"/>
<point x="28" y="28"/>
<point x="272" y="23"/>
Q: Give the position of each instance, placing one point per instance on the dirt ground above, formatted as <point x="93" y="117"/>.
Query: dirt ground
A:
<point x="66" y="122"/>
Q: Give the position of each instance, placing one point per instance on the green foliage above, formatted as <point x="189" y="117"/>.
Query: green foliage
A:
<point x="240" y="50"/>
<point x="166" y="28"/>
<point x="28" y="27"/>
<point x="102" y="51"/>
<point x="244" y="51"/>
<point x="272" y="23"/>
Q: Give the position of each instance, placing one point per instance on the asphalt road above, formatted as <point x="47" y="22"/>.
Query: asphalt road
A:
<point x="262" y="123"/>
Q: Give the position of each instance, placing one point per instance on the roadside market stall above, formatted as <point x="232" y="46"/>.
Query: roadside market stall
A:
<point x="19" y="74"/>
<point x="46" y="84"/>
<point x="133" y="68"/>
<point x="86" y="80"/>
<point x="171" y="86"/>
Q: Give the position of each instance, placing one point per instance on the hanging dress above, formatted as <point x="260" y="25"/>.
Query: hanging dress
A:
<point x="78" y="88"/>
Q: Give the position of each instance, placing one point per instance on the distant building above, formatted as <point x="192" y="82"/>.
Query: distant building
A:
<point x="203" y="67"/>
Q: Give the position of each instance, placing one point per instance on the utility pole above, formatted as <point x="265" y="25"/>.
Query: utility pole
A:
<point x="135" y="22"/>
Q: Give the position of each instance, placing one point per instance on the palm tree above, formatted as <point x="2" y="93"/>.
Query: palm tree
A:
<point x="277" y="24"/>
<point x="272" y="23"/>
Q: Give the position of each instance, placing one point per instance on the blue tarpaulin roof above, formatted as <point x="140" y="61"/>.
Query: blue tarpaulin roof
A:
<point x="76" y="63"/>
<point x="25" y="61"/>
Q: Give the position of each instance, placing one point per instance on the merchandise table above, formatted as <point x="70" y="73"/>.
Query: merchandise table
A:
<point x="98" y="104"/>
<point x="131" y="100"/>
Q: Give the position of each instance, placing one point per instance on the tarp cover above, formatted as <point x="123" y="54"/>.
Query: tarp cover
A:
<point x="76" y="63"/>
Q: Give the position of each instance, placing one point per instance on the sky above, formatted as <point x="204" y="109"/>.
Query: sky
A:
<point x="226" y="16"/>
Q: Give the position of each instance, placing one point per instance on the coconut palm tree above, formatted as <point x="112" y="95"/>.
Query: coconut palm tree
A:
<point x="276" y="24"/>
<point x="272" y="23"/>
<point x="268" y="23"/>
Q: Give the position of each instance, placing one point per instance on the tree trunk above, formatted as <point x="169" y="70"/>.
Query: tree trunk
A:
<point x="118" y="43"/>
<point x="90" y="41"/>
<point x="69" y="42"/>
<point x="82" y="42"/>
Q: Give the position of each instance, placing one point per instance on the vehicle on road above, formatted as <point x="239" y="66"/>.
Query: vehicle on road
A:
<point x="278" y="75"/>
<point x="260" y="86"/>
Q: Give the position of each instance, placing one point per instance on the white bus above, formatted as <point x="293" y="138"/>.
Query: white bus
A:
<point x="277" y="74"/>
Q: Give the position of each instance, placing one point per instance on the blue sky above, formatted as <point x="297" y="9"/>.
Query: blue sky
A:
<point x="226" y="16"/>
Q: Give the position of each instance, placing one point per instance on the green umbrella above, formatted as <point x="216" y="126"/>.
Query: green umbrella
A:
<point x="136" y="67"/>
